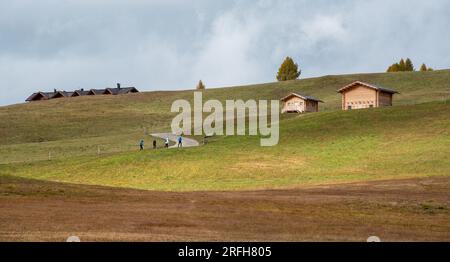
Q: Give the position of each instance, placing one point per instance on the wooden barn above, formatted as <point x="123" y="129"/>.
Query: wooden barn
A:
<point x="358" y="95"/>
<point x="298" y="103"/>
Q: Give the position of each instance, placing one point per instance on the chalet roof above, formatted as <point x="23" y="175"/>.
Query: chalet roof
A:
<point x="47" y="95"/>
<point x="97" y="91"/>
<point x="304" y="97"/>
<point x="375" y="87"/>
<point x="63" y="93"/>
<point x="81" y="92"/>
<point x="122" y="90"/>
<point x="31" y="97"/>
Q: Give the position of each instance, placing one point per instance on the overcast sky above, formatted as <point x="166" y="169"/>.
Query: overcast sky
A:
<point x="171" y="44"/>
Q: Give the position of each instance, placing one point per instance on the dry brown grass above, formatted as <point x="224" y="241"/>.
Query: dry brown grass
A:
<point x="402" y="210"/>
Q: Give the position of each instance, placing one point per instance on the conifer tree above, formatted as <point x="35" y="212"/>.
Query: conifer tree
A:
<point x="200" y="85"/>
<point x="288" y="70"/>
<point x="402" y="65"/>
<point x="394" y="68"/>
<point x="423" y="68"/>
<point x="409" y="65"/>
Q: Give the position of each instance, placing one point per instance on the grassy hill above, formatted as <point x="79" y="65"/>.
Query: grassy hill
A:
<point x="408" y="140"/>
<point x="80" y="126"/>
<point x="407" y="146"/>
<point x="329" y="147"/>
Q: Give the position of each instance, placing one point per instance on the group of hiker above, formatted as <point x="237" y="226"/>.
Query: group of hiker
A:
<point x="166" y="143"/>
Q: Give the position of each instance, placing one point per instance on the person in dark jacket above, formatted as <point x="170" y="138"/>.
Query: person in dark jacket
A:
<point x="180" y="141"/>
<point x="141" y="145"/>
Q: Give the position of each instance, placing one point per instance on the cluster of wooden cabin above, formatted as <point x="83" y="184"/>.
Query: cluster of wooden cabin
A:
<point x="357" y="95"/>
<point x="38" y="96"/>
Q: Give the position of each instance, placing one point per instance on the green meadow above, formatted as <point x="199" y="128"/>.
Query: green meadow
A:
<point x="93" y="140"/>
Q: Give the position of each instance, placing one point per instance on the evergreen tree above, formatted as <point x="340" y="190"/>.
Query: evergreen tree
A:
<point x="402" y="65"/>
<point x="200" y="85"/>
<point x="423" y="68"/>
<point x="288" y="70"/>
<point x="409" y="65"/>
<point x="394" y="68"/>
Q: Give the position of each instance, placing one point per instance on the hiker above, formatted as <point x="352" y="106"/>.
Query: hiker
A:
<point x="166" y="143"/>
<point x="154" y="144"/>
<point x="141" y="145"/>
<point x="180" y="141"/>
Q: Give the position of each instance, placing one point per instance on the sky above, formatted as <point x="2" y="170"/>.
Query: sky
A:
<point x="172" y="44"/>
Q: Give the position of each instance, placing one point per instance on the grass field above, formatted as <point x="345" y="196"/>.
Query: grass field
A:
<point x="77" y="126"/>
<point x="396" y="210"/>
<point x="411" y="139"/>
<point x="328" y="147"/>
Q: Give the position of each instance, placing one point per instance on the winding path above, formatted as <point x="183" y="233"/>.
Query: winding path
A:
<point x="187" y="142"/>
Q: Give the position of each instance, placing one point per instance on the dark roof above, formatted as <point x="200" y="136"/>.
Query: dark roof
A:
<point x="379" y="88"/>
<point x="32" y="96"/>
<point x="47" y="95"/>
<point x="97" y="91"/>
<point x="122" y="90"/>
<point x="305" y="97"/>
<point x="63" y="93"/>
<point x="80" y="92"/>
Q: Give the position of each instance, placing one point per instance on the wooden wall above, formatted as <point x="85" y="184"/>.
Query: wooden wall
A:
<point x="359" y="97"/>
<point x="384" y="99"/>
<point x="298" y="104"/>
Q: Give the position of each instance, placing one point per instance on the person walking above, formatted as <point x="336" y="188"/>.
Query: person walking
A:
<point x="166" y="143"/>
<point x="180" y="141"/>
<point x="141" y="145"/>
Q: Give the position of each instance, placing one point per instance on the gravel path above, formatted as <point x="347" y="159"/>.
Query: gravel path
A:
<point x="187" y="142"/>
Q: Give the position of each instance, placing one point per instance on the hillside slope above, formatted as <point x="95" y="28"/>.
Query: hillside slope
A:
<point x="82" y="126"/>
<point x="329" y="147"/>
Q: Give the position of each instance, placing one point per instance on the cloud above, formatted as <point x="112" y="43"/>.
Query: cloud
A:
<point x="324" y="28"/>
<point x="159" y="44"/>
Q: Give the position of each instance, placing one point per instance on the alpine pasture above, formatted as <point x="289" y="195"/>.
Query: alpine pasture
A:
<point x="88" y="146"/>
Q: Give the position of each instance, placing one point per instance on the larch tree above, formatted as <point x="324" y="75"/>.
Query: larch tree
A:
<point x="288" y="70"/>
<point x="402" y="65"/>
<point x="423" y="68"/>
<point x="409" y="66"/>
<point x="394" y="68"/>
<point x="200" y="85"/>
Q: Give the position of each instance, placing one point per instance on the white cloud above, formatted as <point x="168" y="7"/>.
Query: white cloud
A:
<point x="225" y="58"/>
<point x="324" y="28"/>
